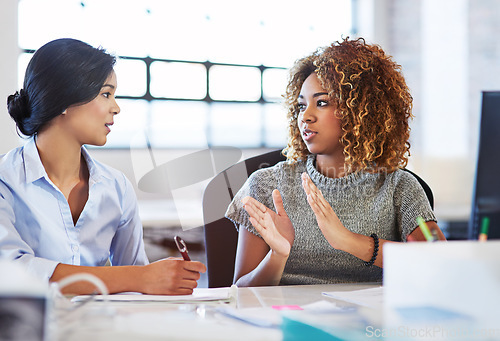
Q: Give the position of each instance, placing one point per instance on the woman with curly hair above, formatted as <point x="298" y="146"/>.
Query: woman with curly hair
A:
<point x="342" y="192"/>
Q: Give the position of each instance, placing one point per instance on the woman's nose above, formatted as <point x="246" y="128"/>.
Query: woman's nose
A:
<point x="308" y="115"/>
<point x="116" y="108"/>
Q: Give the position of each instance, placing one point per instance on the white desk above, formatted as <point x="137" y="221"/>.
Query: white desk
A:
<point x="161" y="321"/>
<point x="151" y="321"/>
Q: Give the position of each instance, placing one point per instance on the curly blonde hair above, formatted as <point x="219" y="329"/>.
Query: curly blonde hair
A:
<point x="372" y="99"/>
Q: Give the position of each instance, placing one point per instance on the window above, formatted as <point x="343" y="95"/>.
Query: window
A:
<point x="178" y="80"/>
<point x="197" y="74"/>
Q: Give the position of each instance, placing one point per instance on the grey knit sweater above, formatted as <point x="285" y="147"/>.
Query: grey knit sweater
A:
<point x="385" y="204"/>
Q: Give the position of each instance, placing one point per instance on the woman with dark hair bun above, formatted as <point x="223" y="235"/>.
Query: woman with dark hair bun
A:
<point x="61" y="211"/>
<point x="65" y="72"/>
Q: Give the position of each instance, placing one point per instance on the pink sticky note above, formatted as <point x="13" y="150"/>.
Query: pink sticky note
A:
<point x="286" y="307"/>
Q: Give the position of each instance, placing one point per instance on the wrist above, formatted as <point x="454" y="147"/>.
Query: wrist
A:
<point x="277" y="263"/>
<point x="136" y="278"/>
<point x="375" y="250"/>
<point x="344" y="241"/>
<point x="366" y="248"/>
<point x="279" y="257"/>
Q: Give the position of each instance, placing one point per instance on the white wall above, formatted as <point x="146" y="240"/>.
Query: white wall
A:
<point x="8" y="72"/>
<point x="430" y="40"/>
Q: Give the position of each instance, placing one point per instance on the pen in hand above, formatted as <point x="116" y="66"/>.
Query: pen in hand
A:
<point x="181" y="245"/>
<point x="425" y="230"/>
<point x="483" y="235"/>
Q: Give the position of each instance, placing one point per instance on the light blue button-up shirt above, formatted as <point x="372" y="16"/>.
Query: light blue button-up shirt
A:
<point x="36" y="225"/>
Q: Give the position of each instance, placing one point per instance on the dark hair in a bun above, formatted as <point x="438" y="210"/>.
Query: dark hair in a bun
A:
<point x="17" y="105"/>
<point x="62" y="73"/>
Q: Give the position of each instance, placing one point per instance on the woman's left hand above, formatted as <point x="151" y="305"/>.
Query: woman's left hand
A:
<point x="328" y="222"/>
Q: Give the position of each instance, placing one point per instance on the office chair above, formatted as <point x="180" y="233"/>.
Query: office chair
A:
<point x="425" y="186"/>
<point x="221" y="236"/>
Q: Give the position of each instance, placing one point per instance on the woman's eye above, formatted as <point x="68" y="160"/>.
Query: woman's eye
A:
<point x="106" y="94"/>
<point x="322" y="103"/>
<point x="301" y="106"/>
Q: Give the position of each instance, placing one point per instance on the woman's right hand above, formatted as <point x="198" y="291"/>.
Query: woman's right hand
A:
<point x="171" y="276"/>
<point x="275" y="227"/>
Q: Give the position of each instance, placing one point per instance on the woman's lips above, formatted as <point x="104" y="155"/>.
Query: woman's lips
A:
<point x="308" y="134"/>
<point x="108" y="125"/>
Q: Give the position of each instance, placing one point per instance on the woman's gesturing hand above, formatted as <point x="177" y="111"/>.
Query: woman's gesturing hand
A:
<point x="327" y="219"/>
<point x="275" y="227"/>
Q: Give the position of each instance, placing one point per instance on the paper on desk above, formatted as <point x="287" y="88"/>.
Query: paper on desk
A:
<point x="271" y="317"/>
<point x="371" y="298"/>
<point x="205" y="295"/>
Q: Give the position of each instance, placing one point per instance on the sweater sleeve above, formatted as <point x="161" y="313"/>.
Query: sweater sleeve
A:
<point x="259" y="186"/>
<point x="411" y="202"/>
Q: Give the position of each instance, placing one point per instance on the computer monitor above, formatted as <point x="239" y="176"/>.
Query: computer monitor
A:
<point x="486" y="191"/>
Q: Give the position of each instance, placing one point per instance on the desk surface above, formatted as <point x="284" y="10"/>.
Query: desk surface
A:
<point x="151" y="321"/>
<point x="126" y="321"/>
<point x="293" y="294"/>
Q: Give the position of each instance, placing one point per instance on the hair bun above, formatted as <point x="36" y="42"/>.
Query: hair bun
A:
<point x="18" y="107"/>
<point x="20" y="110"/>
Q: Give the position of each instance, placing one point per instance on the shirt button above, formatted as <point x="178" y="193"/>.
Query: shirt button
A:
<point x="75" y="248"/>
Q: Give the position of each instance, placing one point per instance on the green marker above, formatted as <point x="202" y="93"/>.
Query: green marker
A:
<point x="425" y="230"/>
<point x="485" y="224"/>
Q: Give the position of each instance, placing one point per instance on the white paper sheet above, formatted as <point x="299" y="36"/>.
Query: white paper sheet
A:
<point x="371" y="298"/>
<point x="206" y="295"/>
